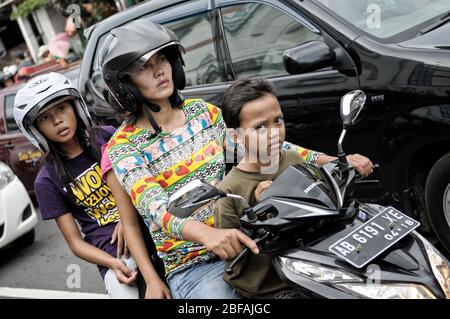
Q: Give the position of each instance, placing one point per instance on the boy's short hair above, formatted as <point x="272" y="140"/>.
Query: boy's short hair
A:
<point x="239" y="93"/>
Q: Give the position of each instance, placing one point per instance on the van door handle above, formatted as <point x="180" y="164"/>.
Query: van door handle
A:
<point x="10" y="146"/>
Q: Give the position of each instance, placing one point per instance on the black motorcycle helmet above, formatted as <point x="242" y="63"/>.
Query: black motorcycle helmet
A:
<point x="125" y="50"/>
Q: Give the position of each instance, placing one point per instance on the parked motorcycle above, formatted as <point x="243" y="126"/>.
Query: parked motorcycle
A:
<point x="327" y="244"/>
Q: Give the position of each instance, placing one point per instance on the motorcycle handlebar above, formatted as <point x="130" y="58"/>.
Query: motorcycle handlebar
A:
<point x="229" y="269"/>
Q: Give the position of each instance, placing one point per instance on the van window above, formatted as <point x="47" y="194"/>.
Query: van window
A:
<point x="196" y="36"/>
<point x="258" y="34"/>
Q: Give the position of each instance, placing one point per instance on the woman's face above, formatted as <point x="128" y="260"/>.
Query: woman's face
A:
<point x="59" y="123"/>
<point x="154" y="80"/>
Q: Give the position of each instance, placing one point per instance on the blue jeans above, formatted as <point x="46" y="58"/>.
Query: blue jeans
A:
<point x="201" y="281"/>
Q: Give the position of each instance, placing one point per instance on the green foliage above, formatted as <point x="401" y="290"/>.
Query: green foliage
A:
<point x="26" y="7"/>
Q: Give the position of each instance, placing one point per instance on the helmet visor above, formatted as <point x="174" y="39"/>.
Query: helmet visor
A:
<point x="137" y="66"/>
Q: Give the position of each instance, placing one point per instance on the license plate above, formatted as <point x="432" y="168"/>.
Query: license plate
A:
<point x="372" y="238"/>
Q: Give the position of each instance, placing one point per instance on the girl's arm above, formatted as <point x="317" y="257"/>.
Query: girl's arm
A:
<point x="156" y="288"/>
<point x="68" y="227"/>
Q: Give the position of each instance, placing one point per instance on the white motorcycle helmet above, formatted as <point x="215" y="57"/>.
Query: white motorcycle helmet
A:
<point x="38" y="95"/>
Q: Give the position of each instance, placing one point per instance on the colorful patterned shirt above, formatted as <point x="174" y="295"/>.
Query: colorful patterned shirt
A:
<point x="151" y="168"/>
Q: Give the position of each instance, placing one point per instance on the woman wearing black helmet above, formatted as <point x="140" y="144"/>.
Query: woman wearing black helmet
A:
<point x="166" y="142"/>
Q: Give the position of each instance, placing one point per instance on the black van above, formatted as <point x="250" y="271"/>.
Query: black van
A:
<point x="397" y="51"/>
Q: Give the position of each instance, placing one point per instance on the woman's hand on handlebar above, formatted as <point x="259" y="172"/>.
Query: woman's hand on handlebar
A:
<point x="228" y="243"/>
<point x="362" y="164"/>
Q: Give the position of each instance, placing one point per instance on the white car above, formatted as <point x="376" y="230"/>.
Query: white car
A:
<point x="17" y="213"/>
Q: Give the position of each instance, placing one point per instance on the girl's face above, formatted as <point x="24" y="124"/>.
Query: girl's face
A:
<point x="59" y="123"/>
<point x="154" y="80"/>
<point x="262" y="128"/>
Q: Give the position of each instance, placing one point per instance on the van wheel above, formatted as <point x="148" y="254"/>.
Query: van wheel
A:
<point x="437" y="195"/>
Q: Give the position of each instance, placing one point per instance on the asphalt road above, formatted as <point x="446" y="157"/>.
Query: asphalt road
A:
<point x="46" y="264"/>
<point x="48" y="269"/>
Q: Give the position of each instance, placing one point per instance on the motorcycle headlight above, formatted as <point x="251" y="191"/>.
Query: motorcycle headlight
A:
<point x="6" y="175"/>
<point x="389" y="291"/>
<point x="318" y="272"/>
<point x="439" y="265"/>
<point x="354" y="284"/>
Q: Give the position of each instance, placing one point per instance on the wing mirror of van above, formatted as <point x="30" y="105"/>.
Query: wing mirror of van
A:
<point x="310" y="56"/>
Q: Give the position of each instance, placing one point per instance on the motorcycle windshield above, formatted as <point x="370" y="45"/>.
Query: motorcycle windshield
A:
<point x="303" y="183"/>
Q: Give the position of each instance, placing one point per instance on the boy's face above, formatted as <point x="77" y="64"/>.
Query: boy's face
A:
<point x="262" y="128"/>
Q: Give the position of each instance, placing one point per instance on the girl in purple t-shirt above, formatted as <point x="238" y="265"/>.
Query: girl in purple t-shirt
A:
<point x="69" y="187"/>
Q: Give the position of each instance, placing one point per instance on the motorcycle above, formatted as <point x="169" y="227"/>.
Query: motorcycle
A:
<point x="327" y="244"/>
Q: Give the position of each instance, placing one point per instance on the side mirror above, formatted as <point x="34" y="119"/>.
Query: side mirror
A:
<point x="192" y="196"/>
<point x="352" y="104"/>
<point x="308" y="57"/>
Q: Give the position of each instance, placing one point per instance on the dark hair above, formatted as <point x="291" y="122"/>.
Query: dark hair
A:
<point x="59" y="159"/>
<point x="239" y="93"/>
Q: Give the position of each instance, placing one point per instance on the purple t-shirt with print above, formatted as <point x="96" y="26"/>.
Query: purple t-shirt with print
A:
<point x="94" y="208"/>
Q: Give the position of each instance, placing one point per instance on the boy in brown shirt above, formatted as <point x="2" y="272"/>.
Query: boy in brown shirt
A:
<point x="255" y="119"/>
<point x="253" y="114"/>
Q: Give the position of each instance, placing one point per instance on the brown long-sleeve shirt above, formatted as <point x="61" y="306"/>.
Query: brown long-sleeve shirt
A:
<point x="254" y="276"/>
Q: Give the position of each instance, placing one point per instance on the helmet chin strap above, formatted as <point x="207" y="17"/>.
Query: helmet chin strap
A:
<point x="155" y="108"/>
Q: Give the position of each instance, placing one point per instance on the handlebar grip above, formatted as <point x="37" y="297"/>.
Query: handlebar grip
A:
<point x="229" y="269"/>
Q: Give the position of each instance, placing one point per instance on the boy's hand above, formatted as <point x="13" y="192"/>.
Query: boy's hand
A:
<point x="227" y="243"/>
<point x="361" y="163"/>
<point x="262" y="186"/>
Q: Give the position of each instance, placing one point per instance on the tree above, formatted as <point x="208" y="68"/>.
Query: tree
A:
<point x="91" y="11"/>
<point x="26" y="7"/>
